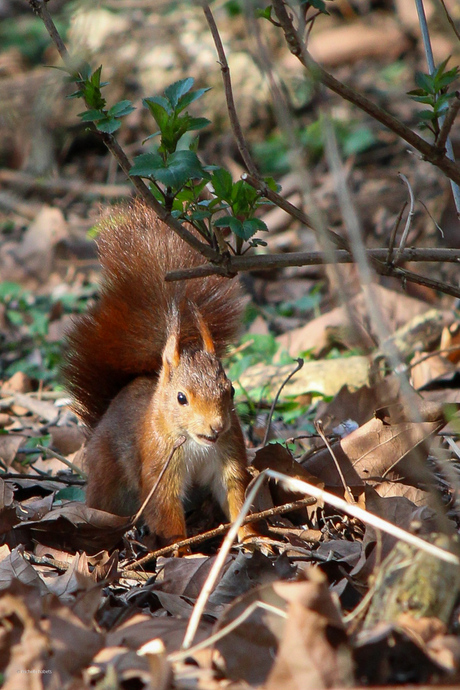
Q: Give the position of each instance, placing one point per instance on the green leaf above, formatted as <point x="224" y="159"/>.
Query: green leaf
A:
<point x="181" y="167"/>
<point x="425" y="82"/>
<point x="317" y="4"/>
<point x="222" y="183"/>
<point x="272" y="184"/>
<point x="440" y="68"/>
<point x="95" y="78"/>
<point x="201" y="215"/>
<point x="10" y="290"/>
<point x="264" y="14"/>
<point x="235" y="225"/>
<point x="91" y="115"/>
<point x="197" y="123"/>
<point x="426" y="115"/>
<point x="146" y="164"/>
<point x="427" y="100"/>
<point x="160" y="109"/>
<point x="175" y="172"/>
<point x="358" y="141"/>
<point x="70" y="493"/>
<point x="15" y="317"/>
<point x="257" y="242"/>
<point x="444" y="80"/>
<point x="190" y="98"/>
<point x="251" y="226"/>
<point x="120" y="109"/>
<point x="175" y="91"/>
<point x="108" y="125"/>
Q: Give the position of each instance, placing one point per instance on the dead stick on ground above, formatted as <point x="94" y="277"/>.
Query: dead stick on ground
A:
<point x="210" y="534"/>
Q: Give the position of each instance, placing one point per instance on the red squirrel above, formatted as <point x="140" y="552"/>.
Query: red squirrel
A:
<point x="143" y="367"/>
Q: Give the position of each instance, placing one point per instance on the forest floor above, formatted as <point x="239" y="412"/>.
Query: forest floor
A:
<point x="359" y="585"/>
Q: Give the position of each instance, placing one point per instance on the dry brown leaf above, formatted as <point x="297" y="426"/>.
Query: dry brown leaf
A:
<point x="314" y="651"/>
<point x="15" y="567"/>
<point x="359" y="40"/>
<point x="359" y="405"/>
<point x="9" y="445"/>
<point x="247" y="652"/>
<point x="66" y="439"/>
<point x="425" y="371"/>
<point x="30" y="261"/>
<point x="397" y="311"/>
<point x="141" y="628"/>
<point x="74" y="525"/>
<point x="373" y="450"/>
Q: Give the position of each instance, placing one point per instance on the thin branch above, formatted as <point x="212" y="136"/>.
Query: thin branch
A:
<point x="448" y="123"/>
<point x="218" y="531"/>
<point x="320" y="430"/>
<point x="275" y="400"/>
<point x="394" y="232"/>
<point x="429" y="152"/>
<point x="178" y="443"/>
<point x="235" y="123"/>
<point x="449" y="19"/>
<point x="53" y="454"/>
<point x="262" y="262"/>
<point x="410" y="215"/>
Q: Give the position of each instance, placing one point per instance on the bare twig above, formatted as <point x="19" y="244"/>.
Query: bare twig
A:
<point x="218" y="531"/>
<point x="448" y="123"/>
<point x="378" y="256"/>
<point x="178" y="443"/>
<point x="25" y="181"/>
<point x="275" y="400"/>
<point x="319" y="429"/>
<point x="410" y="215"/>
<point x="394" y="232"/>
<point x="68" y="463"/>
<point x="449" y="19"/>
<point x="235" y="123"/>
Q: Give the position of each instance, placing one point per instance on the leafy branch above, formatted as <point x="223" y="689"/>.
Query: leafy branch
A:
<point x="177" y="178"/>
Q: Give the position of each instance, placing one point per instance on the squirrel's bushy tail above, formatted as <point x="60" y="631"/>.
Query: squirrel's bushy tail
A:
<point x="122" y="336"/>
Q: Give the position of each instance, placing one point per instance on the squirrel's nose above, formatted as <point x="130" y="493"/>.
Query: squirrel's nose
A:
<point x="217" y="428"/>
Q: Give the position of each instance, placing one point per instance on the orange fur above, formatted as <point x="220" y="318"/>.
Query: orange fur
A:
<point x="143" y="368"/>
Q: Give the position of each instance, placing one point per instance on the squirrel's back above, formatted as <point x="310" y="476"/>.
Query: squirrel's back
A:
<point x="123" y="335"/>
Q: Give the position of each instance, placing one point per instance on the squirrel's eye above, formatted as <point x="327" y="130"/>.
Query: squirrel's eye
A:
<point x="182" y="399"/>
<point x="232" y="390"/>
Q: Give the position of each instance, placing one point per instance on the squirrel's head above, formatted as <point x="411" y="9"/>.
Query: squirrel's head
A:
<point x="195" y="393"/>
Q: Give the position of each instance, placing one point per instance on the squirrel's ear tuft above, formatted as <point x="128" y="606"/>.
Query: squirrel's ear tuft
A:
<point x="208" y="344"/>
<point x="171" y="353"/>
<point x="171" y="350"/>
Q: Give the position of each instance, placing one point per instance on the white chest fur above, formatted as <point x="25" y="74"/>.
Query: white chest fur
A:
<point x="203" y="466"/>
